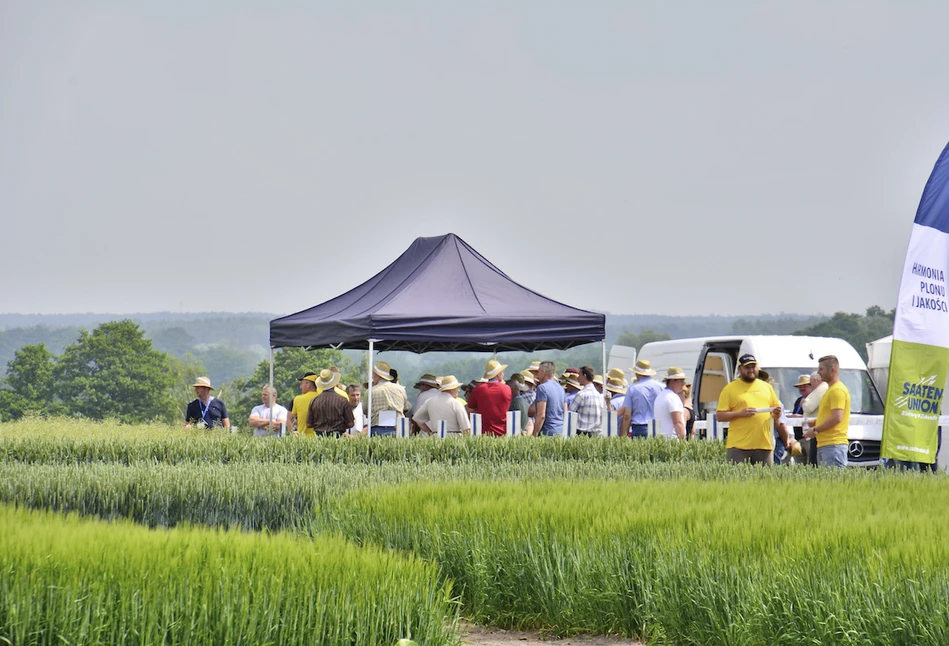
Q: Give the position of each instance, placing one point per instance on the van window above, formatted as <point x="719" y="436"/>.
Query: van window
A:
<point x="864" y="399"/>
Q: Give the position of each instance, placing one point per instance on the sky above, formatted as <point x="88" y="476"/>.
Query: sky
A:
<point x="629" y="157"/>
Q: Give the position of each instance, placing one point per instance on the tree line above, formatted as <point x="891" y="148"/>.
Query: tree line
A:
<point x="115" y="372"/>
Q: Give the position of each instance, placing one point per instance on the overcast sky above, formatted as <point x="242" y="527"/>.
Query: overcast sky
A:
<point x="628" y="157"/>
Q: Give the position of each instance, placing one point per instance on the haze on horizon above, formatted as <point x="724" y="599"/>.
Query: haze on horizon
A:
<point x="672" y="158"/>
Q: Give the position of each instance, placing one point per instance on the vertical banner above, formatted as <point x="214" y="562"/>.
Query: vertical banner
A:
<point x="920" y="357"/>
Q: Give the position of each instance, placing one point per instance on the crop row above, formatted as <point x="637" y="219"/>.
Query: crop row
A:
<point x="861" y="561"/>
<point x="71" y="581"/>
<point x="261" y="496"/>
<point x="70" y="441"/>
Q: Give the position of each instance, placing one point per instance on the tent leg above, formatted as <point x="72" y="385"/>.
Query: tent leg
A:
<point x="603" y="346"/>
<point x="368" y="412"/>
<point x="270" y="427"/>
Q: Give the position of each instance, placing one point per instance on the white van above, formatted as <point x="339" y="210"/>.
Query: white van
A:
<point x="622" y="357"/>
<point x="710" y="363"/>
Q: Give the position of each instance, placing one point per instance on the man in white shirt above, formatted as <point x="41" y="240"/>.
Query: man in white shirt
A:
<point x="444" y="407"/>
<point x="359" y="417"/>
<point x="668" y="408"/>
<point x="260" y="417"/>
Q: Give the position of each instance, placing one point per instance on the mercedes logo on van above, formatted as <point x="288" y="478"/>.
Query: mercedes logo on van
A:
<point x="855" y="450"/>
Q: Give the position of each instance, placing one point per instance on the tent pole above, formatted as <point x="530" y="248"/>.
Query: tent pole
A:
<point x="603" y="345"/>
<point x="368" y="413"/>
<point x="270" y="426"/>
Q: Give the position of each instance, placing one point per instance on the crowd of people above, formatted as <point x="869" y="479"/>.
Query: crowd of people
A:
<point x="543" y="396"/>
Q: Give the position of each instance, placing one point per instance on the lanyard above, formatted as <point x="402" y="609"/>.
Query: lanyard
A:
<point x="204" y="409"/>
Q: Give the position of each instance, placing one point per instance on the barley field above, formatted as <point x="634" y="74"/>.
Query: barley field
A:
<point x="153" y="534"/>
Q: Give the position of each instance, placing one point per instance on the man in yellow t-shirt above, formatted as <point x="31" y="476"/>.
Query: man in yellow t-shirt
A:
<point x="833" y="416"/>
<point x="296" y="419"/>
<point x="748" y="404"/>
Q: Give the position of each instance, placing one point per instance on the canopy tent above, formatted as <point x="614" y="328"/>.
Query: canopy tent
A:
<point x="440" y="295"/>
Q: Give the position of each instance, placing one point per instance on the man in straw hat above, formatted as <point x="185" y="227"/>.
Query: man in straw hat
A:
<point x="491" y="400"/>
<point x="300" y="408"/>
<point x="386" y="396"/>
<point x="617" y="390"/>
<point x="588" y="403"/>
<point x="427" y="387"/>
<point x="329" y="415"/>
<point x="668" y="409"/>
<point x="637" y="410"/>
<point x="206" y="410"/>
<point x="339" y="387"/>
<point x="443" y="406"/>
<point x="571" y="384"/>
<point x="549" y="405"/>
<point x="749" y="405"/>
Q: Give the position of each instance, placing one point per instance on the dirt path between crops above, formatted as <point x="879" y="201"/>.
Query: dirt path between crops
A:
<point x="481" y="636"/>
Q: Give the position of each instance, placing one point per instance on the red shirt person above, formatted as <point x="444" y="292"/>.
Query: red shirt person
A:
<point x="491" y="400"/>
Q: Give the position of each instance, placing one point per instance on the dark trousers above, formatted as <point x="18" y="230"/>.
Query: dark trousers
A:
<point x="639" y="430"/>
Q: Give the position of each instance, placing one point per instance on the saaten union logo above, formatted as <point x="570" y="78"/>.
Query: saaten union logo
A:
<point x="921" y="397"/>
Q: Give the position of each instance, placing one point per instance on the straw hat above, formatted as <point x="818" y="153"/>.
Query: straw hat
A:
<point x="615" y="385"/>
<point x="492" y="369"/>
<point x="644" y="367"/>
<point x="427" y="380"/>
<point x="796" y="450"/>
<point x="474" y="383"/>
<point x="449" y="383"/>
<point x="598" y="379"/>
<point x="617" y="373"/>
<point x="327" y="379"/>
<point x="202" y="382"/>
<point x="534" y="367"/>
<point x="382" y="369"/>
<point x="528" y="377"/>
<point x="803" y="380"/>
<point x="572" y="382"/>
<point x="674" y="373"/>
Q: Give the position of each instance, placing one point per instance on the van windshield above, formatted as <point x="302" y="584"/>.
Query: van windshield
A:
<point x="864" y="399"/>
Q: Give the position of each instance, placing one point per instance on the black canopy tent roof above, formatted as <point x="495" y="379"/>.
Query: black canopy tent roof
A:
<point x="439" y="295"/>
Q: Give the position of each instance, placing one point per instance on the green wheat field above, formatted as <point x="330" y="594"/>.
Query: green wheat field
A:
<point x="117" y="534"/>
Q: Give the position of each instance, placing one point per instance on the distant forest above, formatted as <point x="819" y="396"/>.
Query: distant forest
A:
<point x="226" y="345"/>
<point x="230" y="345"/>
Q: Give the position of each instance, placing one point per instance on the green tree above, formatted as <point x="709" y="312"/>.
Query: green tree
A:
<point x="857" y="330"/>
<point x="30" y="382"/>
<point x="113" y="372"/>
<point x="289" y="365"/>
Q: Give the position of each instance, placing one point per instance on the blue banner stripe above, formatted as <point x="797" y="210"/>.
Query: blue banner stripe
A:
<point x="934" y="205"/>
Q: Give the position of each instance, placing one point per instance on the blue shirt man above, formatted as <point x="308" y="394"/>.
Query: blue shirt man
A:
<point x="637" y="410"/>
<point x="548" y="419"/>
